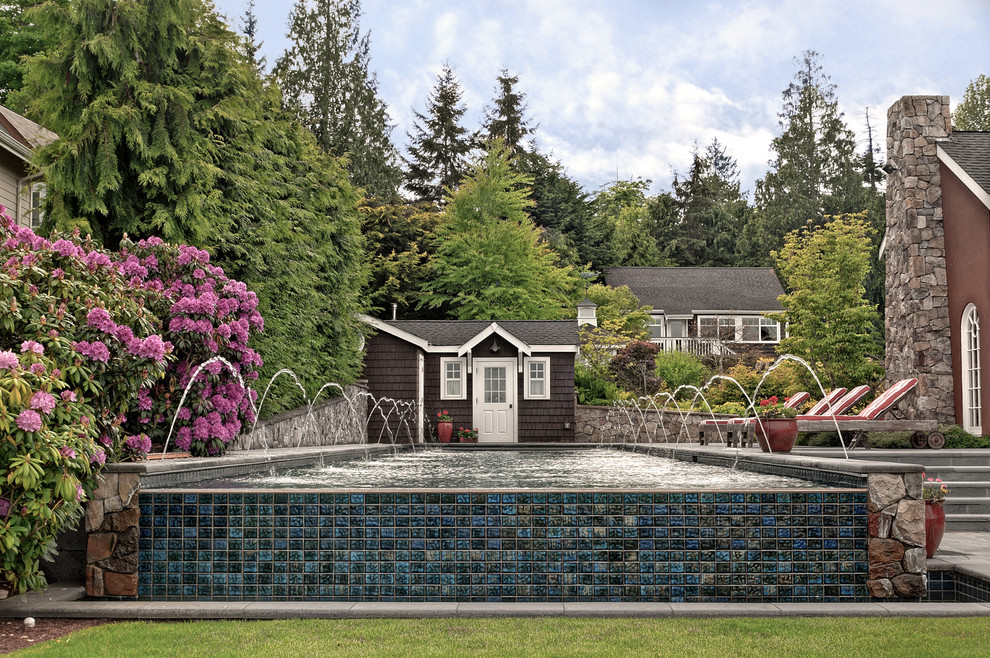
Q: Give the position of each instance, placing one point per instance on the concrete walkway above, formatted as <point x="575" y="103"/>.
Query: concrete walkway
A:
<point x="964" y="552"/>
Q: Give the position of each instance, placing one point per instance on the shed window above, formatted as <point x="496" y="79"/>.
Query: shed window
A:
<point x="537" y="378"/>
<point x="452" y="379"/>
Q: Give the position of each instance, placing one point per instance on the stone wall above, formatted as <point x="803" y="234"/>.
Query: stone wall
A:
<point x="336" y="421"/>
<point x="614" y="425"/>
<point x="897" y="536"/>
<point x="112" y="517"/>
<point x="917" y="307"/>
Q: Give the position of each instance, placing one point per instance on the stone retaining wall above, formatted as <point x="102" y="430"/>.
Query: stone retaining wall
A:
<point x="593" y="424"/>
<point x="336" y="421"/>
<point x="898" y="567"/>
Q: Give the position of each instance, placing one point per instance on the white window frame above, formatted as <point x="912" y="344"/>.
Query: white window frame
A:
<point x="36" y="214"/>
<point x="657" y="326"/>
<point x="461" y="379"/>
<point x="971" y="374"/>
<point x="527" y="385"/>
<point x="736" y="322"/>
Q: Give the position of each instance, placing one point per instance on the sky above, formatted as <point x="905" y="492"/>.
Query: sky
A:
<point x="625" y="89"/>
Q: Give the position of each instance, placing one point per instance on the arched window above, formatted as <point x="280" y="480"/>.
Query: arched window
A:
<point x="970" y="344"/>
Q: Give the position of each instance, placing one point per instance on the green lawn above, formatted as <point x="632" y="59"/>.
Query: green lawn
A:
<point x="533" y="637"/>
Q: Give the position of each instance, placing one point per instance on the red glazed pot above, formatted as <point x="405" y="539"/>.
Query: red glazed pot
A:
<point x="776" y="434"/>
<point x="934" y="526"/>
<point x="444" y="429"/>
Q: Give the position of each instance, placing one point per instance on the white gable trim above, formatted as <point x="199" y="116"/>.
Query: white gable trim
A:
<point x="398" y="333"/>
<point x="961" y="174"/>
<point x="494" y="328"/>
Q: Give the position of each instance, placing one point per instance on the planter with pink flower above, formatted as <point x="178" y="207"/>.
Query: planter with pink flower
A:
<point x="775" y="426"/>
<point x="445" y="426"/>
<point x="933" y="492"/>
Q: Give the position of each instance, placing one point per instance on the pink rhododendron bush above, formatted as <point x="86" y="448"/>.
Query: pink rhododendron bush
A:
<point x="96" y="350"/>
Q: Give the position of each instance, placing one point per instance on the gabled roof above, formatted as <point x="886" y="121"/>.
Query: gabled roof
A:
<point x="452" y="335"/>
<point x="967" y="154"/>
<point x="21" y="135"/>
<point x="688" y="290"/>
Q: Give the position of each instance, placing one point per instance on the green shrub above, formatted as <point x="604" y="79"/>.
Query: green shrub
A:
<point x="957" y="438"/>
<point x="734" y="408"/>
<point x="681" y="369"/>
<point x="594" y="390"/>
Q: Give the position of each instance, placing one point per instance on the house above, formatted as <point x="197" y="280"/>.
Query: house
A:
<point x="21" y="188"/>
<point x="937" y="246"/>
<point x="707" y="310"/>
<point x="512" y="380"/>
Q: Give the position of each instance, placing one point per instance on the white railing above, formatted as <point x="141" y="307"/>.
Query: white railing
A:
<point x="695" y="346"/>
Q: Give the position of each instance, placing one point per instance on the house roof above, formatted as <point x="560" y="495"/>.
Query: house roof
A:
<point x="968" y="155"/>
<point x="687" y="290"/>
<point x="24" y="131"/>
<point x="452" y="334"/>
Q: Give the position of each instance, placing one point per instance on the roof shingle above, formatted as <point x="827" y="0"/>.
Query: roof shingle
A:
<point x="971" y="151"/>
<point x="684" y="290"/>
<point x="458" y="332"/>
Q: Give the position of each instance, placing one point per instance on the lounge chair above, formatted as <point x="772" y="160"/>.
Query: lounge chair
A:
<point x="870" y="420"/>
<point x="731" y="426"/>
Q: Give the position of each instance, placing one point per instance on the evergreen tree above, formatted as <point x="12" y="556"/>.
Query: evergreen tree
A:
<point x="710" y="211"/>
<point x="622" y="211"/>
<point x="973" y="111"/>
<point x="19" y="38"/>
<point x="399" y="237"/>
<point x="144" y="96"/>
<point x="814" y="173"/>
<point x="440" y="145"/>
<point x="327" y="83"/>
<point x="490" y="261"/>
<point x="251" y="45"/>
<point x="505" y="119"/>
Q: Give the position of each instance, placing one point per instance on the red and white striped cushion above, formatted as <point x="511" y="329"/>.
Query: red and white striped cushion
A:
<point x="886" y="400"/>
<point x="823" y="405"/>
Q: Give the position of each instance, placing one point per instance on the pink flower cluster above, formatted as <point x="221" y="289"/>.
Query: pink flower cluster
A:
<point x="8" y="360"/>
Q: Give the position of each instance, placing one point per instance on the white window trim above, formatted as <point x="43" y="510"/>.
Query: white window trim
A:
<point x="444" y="360"/>
<point x="546" y="377"/>
<point x="738" y="323"/>
<point x="36" y="213"/>
<point x="971" y="374"/>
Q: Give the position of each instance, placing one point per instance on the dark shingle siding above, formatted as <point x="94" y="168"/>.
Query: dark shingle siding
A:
<point x="682" y="290"/>
<point x="971" y="151"/>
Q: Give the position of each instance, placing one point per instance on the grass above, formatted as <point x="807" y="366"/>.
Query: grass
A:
<point x="532" y="637"/>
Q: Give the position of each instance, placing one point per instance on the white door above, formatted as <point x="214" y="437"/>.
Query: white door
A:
<point x="495" y="399"/>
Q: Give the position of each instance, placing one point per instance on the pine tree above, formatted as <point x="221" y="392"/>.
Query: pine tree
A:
<point x="144" y="96"/>
<point x="505" y="119"/>
<point x="251" y="45"/>
<point x="711" y="209"/>
<point x="490" y="261"/>
<point x="815" y="169"/>
<point x="327" y="82"/>
<point x="440" y="145"/>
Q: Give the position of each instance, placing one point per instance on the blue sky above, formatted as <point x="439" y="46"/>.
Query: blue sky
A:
<point x="630" y="86"/>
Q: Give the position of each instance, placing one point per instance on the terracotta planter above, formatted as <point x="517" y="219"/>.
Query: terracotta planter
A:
<point x="934" y="526"/>
<point x="776" y="434"/>
<point x="444" y="429"/>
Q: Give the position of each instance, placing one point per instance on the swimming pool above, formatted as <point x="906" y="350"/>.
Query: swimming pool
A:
<point x="504" y="544"/>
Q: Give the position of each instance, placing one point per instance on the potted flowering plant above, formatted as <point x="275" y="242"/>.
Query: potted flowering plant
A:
<point x="933" y="491"/>
<point x="466" y="435"/>
<point x="775" y="426"/>
<point x="445" y="426"/>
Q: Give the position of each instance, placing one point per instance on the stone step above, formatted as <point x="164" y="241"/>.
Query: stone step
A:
<point x="967" y="505"/>
<point x="979" y="522"/>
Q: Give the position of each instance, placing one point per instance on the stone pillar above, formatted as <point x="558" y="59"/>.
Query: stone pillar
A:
<point x="112" y="548"/>
<point x="917" y="309"/>
<point x="897" y="536"/>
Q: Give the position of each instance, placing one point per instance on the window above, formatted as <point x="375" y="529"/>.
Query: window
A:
<point x="452" y="379"/>
<point x="972" y="405"/>
<point x="537" y="378"/>
<point x="656" y="326"/>
<point x="36" y="214"/>
<point x="745" y="329"/>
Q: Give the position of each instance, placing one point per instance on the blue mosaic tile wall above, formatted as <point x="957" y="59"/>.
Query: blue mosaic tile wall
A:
<point x="510" y="546"/>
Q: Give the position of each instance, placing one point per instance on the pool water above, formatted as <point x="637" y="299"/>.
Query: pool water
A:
<point x="515" y="469"/>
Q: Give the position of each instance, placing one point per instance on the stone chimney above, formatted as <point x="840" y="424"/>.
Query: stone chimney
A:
<point x="917" y="307"/>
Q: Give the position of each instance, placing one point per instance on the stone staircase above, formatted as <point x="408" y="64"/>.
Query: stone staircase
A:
<point x="966" y="472"/>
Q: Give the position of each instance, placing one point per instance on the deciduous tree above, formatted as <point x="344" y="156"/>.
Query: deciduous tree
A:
<point x="973" y="111"/>
<point x="830" y="322"/>
<point x="490" y="260"/>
